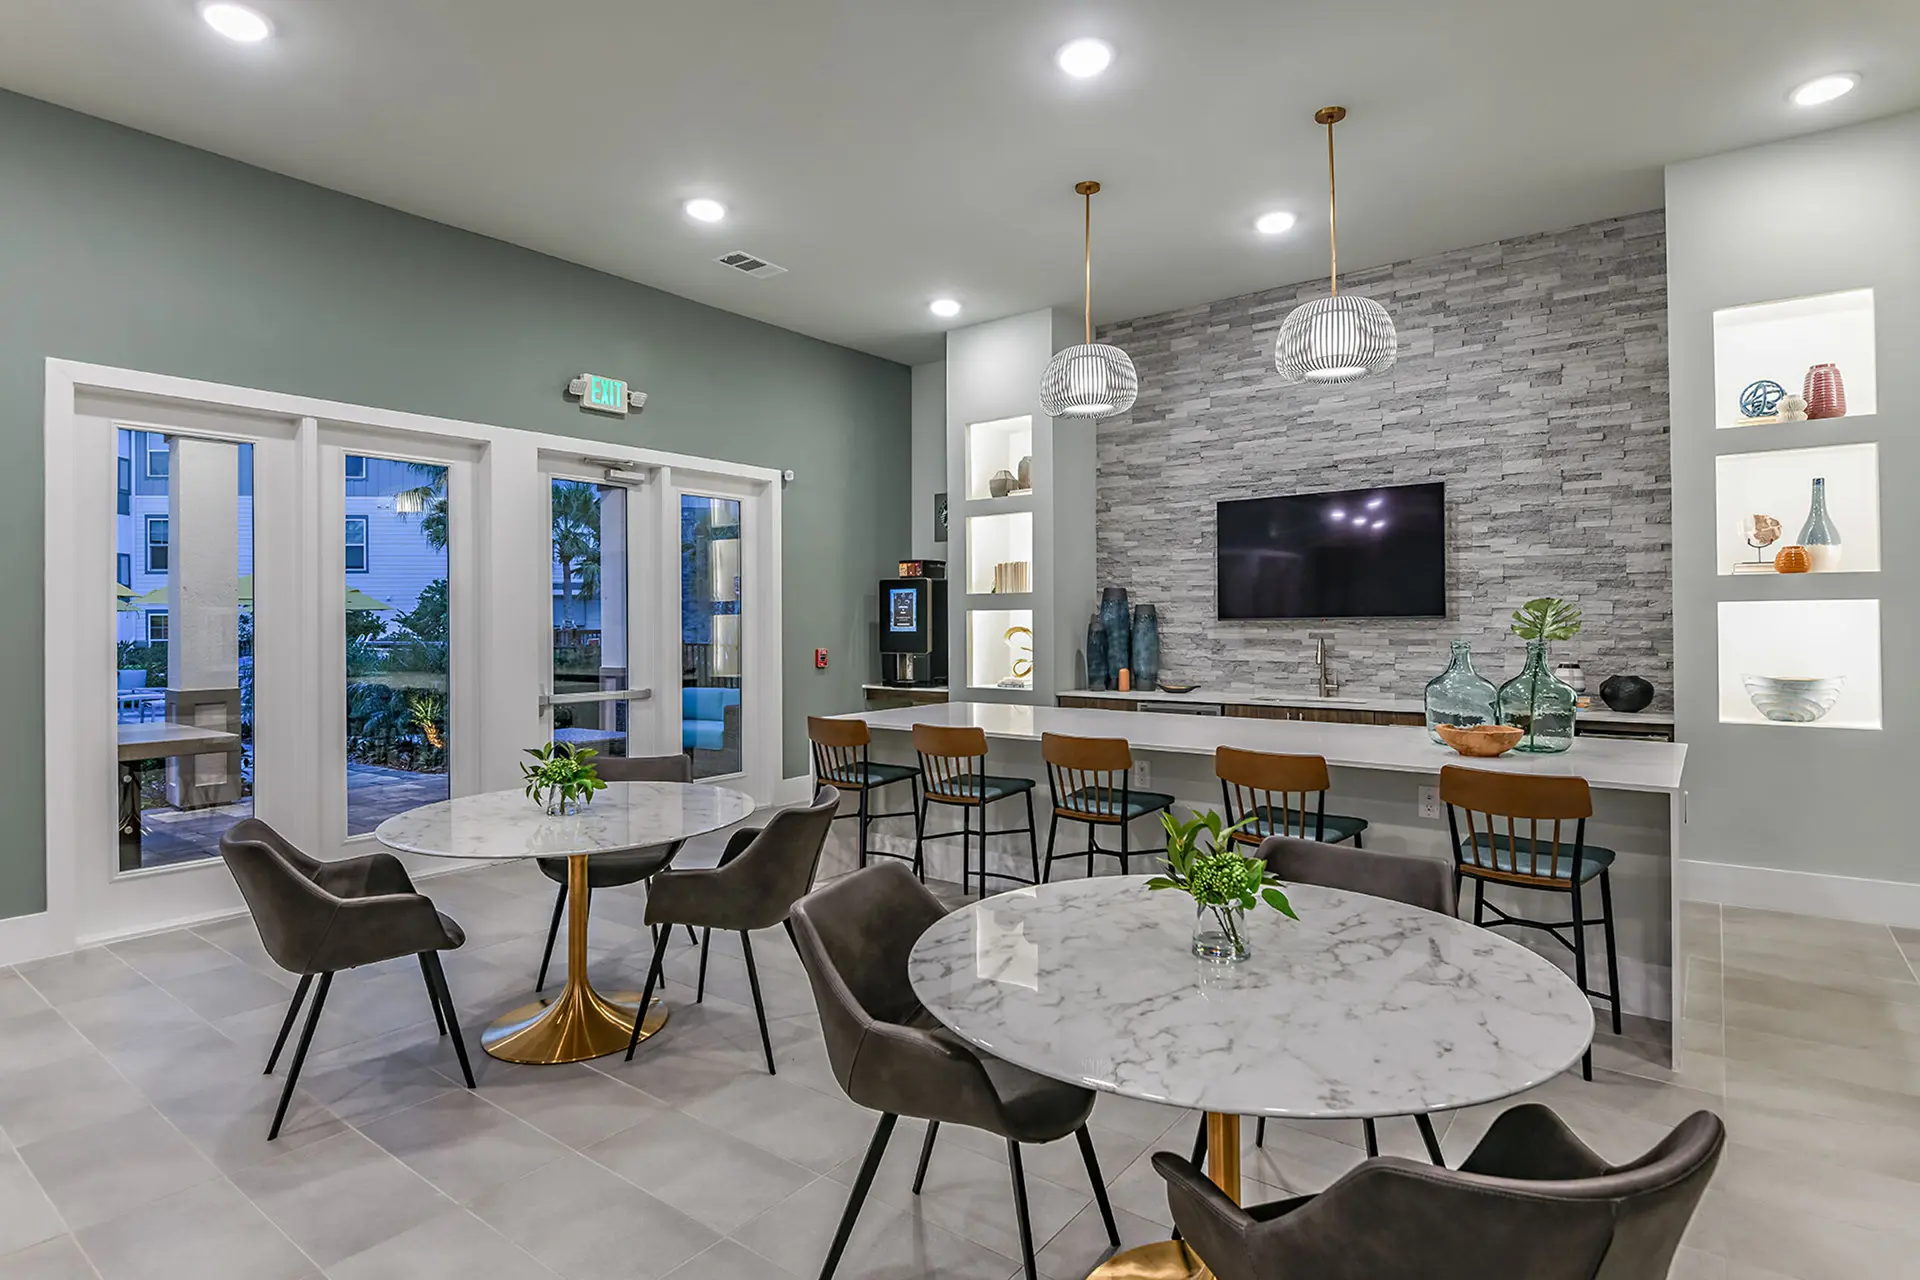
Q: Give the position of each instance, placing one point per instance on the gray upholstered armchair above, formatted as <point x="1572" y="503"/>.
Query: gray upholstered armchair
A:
<point x="1532" y="1200"/>
<point x="317" y="918"/>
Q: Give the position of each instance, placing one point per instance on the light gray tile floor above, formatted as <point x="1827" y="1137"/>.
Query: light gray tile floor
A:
<point x="133" y="1120"/>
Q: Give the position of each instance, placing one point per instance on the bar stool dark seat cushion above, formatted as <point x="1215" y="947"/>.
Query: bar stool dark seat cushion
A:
<point x="1494" y="853"/>
<point x="1338" y="827"/>
<point x="1105" y="802"/>
<point x="964" y="788"/>
<point x="875" y="774"/>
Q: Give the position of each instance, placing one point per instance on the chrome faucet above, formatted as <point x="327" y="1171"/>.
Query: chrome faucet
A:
<point x="1328" y="685"/>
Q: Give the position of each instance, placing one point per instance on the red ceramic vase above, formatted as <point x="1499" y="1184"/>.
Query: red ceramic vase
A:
<point x="1826" y="395"/>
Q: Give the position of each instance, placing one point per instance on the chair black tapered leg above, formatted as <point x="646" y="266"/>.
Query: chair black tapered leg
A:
<point x="1200" y="1145"/>
<point x="863" y="826"/>
<point x="759" y="1009"/>
<point x="646" y="994"/>
<point x="787" y="924"/>
<point x="1373" y="1138"/>
<point x="692" y="936"/>
<point x="553" y="932"/>
<point x="300" y="1054"/>
<point x="1260" y="1132"/>
<point x="293" y="1010"/>
<point x="437" y="977"/>
<point x="1580" y="968"/>
<point x="1432" y="1140"/>
<point x="1613" y="959"/>
<point x="439" y="1017"/>
<point x="1099" y="1184"/>
<point x="869" y="1166"/>
<point x="926" y="1154"/>
<point x="700" y="988"/>
<point x="920" y="839"/>
<point x="1033" y="838"/>
<point x="1020" y="1209"/>
<point x="1053" y="829"/>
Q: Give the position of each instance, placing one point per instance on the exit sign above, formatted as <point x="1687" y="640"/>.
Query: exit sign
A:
<point x="606" y="395"/>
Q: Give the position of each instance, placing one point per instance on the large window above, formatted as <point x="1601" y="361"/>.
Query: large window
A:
<point x="590" y="580"/>
<point x="159" y="456"/>
<point x="356" y="544"/>
<point x="156" y="544"/>
<point x="398" y="721"/>
<point x="123" y="569"/>
<point x="156" y="626"/>
<point x="710" y="619"/>
<point x="125" y="471"/>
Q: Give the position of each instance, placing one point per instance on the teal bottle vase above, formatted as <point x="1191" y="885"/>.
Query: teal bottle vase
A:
<point x="1539" y="704"/>
<point x="1146" y="646"/>
<point x="1460" y="696"/>
<point x="1116" y="623"/>
<point x="1819" y="535"/>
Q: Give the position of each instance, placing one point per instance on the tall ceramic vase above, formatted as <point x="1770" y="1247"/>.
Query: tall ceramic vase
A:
<point x="1819" y="535"/>
<point x="1113" y="619"/>
<point x="1146" y="647"/>
<point x="1825" y="394"/>
<point x="1097" y="669"/>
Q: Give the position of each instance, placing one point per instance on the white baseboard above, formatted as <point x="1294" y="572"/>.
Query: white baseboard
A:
<point x="1892" y="902"/>
<point x="798" y="790"/>
<point x="34" y="937"/>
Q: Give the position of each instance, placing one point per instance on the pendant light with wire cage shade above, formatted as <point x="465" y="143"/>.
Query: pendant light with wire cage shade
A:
<point x="1092" y="380"/>
<point x="1341" y="337"/>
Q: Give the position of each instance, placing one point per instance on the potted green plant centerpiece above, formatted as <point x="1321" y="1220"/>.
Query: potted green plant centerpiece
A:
<point x="1537" y="702"/>
<point x="1223" y="883"/>
<point x="562" y="778"/>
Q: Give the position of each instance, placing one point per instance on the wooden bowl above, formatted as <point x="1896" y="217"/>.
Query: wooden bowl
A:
<point x="1177" y="688"/>
<point x="1483" y="741"/>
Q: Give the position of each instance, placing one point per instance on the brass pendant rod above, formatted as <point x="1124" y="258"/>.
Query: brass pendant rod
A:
<point x="1087" y="197"/>
<point x="1333" y="220"/>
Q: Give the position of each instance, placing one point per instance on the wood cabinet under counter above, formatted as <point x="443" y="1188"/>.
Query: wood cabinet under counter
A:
<point x="1595" y="722"/>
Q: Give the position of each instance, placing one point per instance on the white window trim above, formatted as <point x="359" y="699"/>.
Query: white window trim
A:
<point x="148" y="544"/>
<point x="163" y="451"/>
<point x="360" y="458"/>
<point x="161" y="614"/>
<point x="365" y="544"/>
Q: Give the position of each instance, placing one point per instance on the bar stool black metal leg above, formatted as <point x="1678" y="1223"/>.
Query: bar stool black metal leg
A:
<point x="300" y="1054"/>
<point x="1033" y="838"/>
<point x="1432" y="1140"/>
<point x="863" y="825"/>
<point x="293" y="1011"/>
<point x="553" y="932"/>
<point x="437" y="976"/>
<point x="920" y="838"/>
<point x="1260" y="1132"/>
<point x="1373" y="1138"/>
<point x="646" y="994"/>
<point x="759" y="1009"/>
<point x="926" y="1154"/>
<point x="1053" y="829"/>
<point x="1124" y="829"/>
<point x="700" y="987"/>
<point x="1020" y="1209"/>
<point x="1580" y="967"/>
<point x="1613" y="959"/>
<point x="856" y="1197"/>
<point x="1099" y="1184"/>
<point x="433" y="996"/>
<point x="1200" y="1145"/>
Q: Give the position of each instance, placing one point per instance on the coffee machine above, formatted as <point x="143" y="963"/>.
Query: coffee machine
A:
<point x="913" y="624"/>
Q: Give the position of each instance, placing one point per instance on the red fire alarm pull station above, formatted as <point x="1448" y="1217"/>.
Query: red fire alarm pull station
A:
<point x="820" y="659"/>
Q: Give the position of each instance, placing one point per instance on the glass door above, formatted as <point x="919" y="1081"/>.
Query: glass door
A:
<point x="712" y="644"/>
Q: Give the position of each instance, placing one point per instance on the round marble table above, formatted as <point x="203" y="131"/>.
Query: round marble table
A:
<point x="1362" y="1008"/>
<point x="580" y="1022"/>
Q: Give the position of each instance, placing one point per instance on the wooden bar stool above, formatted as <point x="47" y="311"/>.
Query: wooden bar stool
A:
<point x="1533" y="856"/>
<point x="953" y="767"/>
<point x="840" y="758"/>
<point x="1091" y="781"/>
<point x="1252" y="782"/>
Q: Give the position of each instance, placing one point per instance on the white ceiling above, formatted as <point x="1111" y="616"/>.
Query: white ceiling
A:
<point x="891" y="151"/>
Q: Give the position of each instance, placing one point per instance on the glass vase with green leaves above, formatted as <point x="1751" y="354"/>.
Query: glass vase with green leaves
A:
<point x="562" y="778"/>
<point x="1224" y="884"/>
<point x="1536" y="701"/>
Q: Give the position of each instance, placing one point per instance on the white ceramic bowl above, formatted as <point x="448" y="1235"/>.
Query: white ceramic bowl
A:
<point x="1793" y="699"/>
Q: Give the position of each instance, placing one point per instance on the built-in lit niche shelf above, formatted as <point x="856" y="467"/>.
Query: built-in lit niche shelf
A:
<point x="1780" y="341"/>
<point x="995" y="658"/>
<point x="1801" y="641"/>
<point x="1779" y="483"/>
<point x="1000" y="553"/>
<point x="998" y="446"/>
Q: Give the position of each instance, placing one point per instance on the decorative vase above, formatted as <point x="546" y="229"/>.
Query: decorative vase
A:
<point x="557" y="806"/>
<point x="1460" y="695"/>
<point x="1818" y="535"/>
<point x="1570" y="674"/>
<point x="1096" y="654"/>
<point x="1145" y="663"/>
<point x="1793" y="558"/>
<point x="1113" y="617"/>
<point x="1539" y="705"/>
<point x="1825" y="393"/>
<point x="1023" y="473"/>
<point x="1220" y="933"/>
<point x="1000" y="483"/>
<point x="1627" y="693"/>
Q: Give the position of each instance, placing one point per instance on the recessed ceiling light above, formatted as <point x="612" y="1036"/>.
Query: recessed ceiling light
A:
<point x="1276" y="223"/>
<point x="702" y="209"/>
<point x="236" y="22"/>
<point x="945" y="308"/>
<point x="1825" y="89"/>
<point x="1084" y="57"/>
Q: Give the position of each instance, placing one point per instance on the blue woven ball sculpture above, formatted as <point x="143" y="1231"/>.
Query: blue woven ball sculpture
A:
<point x="1761" y="398"/>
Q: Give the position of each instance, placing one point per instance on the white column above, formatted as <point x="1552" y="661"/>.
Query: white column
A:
<point x="203" y="605"/>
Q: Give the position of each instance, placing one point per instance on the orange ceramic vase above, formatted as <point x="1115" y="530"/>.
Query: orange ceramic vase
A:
<point x="1793" y="559"/>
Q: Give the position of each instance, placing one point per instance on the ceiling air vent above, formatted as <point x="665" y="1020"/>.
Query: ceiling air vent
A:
<point x="758" y="268"/>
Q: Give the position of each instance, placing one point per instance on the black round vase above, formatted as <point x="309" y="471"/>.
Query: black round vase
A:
<point x="1627" y="693"/>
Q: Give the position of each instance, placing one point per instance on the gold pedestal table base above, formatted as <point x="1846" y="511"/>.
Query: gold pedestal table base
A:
<point x="579" y="1023"/>
<point x="1172" y="1259"/>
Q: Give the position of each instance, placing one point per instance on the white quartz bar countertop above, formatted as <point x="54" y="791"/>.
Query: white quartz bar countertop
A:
<point x="1358" y="702"/>
<point x="1606" y="763"/>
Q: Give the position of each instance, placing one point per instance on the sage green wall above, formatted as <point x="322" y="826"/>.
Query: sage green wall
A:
<point x="123" y="249"/>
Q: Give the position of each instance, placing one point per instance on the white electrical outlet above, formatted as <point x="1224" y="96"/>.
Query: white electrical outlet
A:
<point x="1429" y="802"/>
<point x="1141" y="778"/>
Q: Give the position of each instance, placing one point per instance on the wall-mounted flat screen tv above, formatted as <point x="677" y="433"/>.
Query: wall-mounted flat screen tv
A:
<point x="1355" y="553"/>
